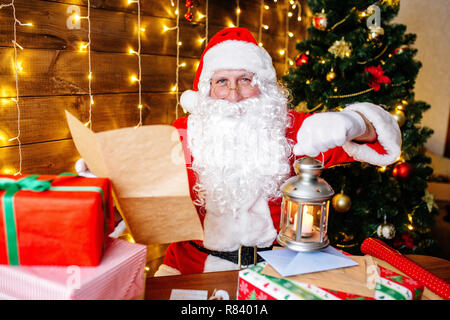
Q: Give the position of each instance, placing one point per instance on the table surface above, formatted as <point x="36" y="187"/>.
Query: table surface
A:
<point x="159" y="288"/>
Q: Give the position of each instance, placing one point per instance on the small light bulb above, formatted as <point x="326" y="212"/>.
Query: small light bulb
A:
<point x="238" y="11"/>
<point x="266" y="26"/>
<point x="260" y="44"/>
<point x="231" y="25"/>
<point x="174" y="88"/>
<point x="165" y="28"/>
<point x="90" y="75"/>
<point x="143" y="29"/>
<point x="131" y="51"/>
<point x="266" y="7"/>
<point x="200" y="15"/>
<point x="201" y="40"/>
<point x="134" y="79"/>
<point x="299" y="18"/>
<point x="140" y="106"/>
<point x="92" y="101"/>
<point x="289" y="14"/>
<point x="282" y="52"/>
<point x="183" y="64"/>
<point x="290" y="34"/>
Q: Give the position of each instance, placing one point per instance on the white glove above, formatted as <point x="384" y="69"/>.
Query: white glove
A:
<point x="83" y="170"/>
<point x="323" y="131"/>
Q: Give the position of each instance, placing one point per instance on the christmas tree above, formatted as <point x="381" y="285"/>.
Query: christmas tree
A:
<point x="354" y="53"/>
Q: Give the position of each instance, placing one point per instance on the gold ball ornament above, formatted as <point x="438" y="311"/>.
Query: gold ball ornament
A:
<point x="399" y="116"/>
<point x="341" y="202"/>
<point x="386" y="230"/>
<point x="331" y="76"/>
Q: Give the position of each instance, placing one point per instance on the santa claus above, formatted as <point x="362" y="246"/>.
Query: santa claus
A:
<point x="240" y="141"/>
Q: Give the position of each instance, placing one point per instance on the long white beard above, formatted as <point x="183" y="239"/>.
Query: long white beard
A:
<point x="240" y="151"/>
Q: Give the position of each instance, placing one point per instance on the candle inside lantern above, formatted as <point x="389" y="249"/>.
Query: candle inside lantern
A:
<point x="307" y="222"/>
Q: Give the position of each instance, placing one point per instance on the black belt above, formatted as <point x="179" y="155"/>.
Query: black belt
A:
<point x="244" y="256"/>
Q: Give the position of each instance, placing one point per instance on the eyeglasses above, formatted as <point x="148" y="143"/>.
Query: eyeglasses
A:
<point x="222" y="86"/>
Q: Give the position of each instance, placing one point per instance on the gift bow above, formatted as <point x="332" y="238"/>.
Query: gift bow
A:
<point x="30" y="183"/>
<point x="27" y="183"/>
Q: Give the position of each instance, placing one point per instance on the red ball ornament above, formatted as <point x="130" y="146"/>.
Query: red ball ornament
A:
<point x="189" y="3"/>
<point x="402" y="170"/>
<point x="320" y="21"/>
<point x="401" y="50"/>
<point x="188" y="16"/>
<point x="301" y="59"/>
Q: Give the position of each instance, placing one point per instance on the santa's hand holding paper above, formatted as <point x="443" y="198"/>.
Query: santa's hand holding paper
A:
<point x="240" y="141"/>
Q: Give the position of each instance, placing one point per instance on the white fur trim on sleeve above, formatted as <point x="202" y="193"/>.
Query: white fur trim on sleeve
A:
<point x="388" y="132"/>
<point x="165" y="270"/>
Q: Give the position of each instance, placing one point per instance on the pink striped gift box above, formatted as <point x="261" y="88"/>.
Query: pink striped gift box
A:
<point x="119" y="276"/>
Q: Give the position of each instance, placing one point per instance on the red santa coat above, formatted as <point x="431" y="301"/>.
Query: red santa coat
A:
<point x="185" y="258"/>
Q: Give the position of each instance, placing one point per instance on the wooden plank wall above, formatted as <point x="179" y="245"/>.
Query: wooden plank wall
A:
<point x="54" y="73"/>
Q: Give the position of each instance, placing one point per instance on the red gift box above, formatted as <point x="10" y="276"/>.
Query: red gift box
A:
<point x="54" y="220"/>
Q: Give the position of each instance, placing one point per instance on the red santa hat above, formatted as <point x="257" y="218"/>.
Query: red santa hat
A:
<point x="231" y="48"/>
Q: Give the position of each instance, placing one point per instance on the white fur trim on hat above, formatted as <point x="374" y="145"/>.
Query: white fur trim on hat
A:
<point x="388" y="132"/>
<point x="189" y="99"/>
<point x="234" y="54"/>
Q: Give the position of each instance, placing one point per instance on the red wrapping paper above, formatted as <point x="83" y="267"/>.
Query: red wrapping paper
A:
<point x="380" y="250"/>
<point x="60" y="227"/>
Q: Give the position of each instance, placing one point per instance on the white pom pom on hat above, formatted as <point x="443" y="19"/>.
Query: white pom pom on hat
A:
<point x="189" y="99"/>
<point x="232" y="48"/>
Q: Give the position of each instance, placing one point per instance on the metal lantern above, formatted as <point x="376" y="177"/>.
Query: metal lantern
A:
<point x="304" y="209"/>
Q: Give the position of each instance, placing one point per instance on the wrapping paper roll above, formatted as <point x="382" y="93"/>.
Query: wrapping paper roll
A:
<point x="380" y="250"/>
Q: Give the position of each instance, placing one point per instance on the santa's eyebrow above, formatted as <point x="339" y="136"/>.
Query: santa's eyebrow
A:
<point x="246" y="74"/>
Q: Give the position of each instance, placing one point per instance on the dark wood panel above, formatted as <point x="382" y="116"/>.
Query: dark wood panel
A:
<point x="116" y="31"/>
<point x="53" y="72"/>
<point x="221" y="13"/>
<point x="43" y="118"/>
<point x="41" y="158"/>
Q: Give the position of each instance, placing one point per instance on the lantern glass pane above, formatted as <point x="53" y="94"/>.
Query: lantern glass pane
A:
<point x="312" y="213"/>
<point x="292" y="220"/>
<point x="326" y="209"/>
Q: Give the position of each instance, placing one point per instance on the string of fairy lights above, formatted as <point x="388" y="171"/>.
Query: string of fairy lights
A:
<point x="137" y="78"/>
<point x="17" y="68"/>
<point x="83" y="47"/>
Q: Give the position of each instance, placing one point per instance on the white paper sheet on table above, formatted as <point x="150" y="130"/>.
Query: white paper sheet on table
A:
<point x="288" y="262"/>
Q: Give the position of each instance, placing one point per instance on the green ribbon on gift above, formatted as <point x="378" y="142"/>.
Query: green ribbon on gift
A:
<point x="30" y="183"/>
